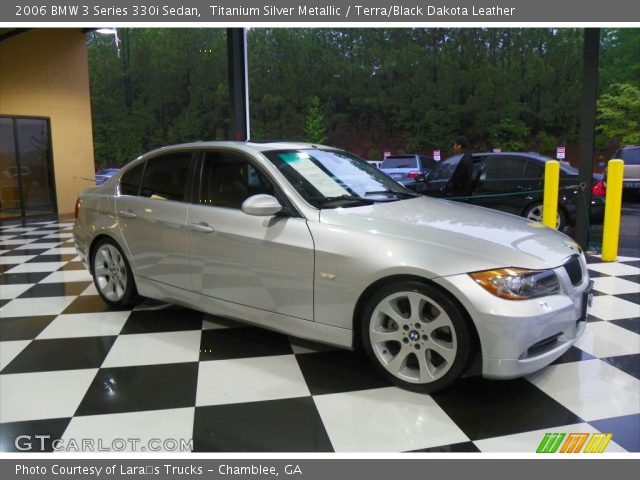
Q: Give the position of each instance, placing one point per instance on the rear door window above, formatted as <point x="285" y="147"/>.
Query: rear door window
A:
<point x="503" y="168"/>
<point x="130" y="181"/>
<point x="165" y="177"/>
<point x="533" y="170"/>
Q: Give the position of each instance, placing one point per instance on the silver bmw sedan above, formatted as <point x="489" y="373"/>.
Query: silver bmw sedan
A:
<point x="314" y="242"/>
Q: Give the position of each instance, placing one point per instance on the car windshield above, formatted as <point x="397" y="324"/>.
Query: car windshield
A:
<point x="333" y="178"/>
<point x="400" y="162"/>
<point x="445" y="168"/>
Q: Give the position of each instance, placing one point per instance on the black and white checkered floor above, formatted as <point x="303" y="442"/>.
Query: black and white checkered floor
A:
<point x="72" y="368"/>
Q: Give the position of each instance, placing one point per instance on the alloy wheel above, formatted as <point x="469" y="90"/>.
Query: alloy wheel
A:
<point x="110" y="272"/>
<point x="413" y="337"/>
<point x="535" y="215"/>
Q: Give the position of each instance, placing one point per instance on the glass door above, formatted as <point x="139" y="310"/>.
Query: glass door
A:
<point x="26" y="170"/>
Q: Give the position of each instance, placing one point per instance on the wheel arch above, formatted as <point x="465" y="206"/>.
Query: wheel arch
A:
<point x="383" y="282"/>
<point x="535" y="202"/>
<point x="561" y="208"/>
<point x="94" y="243"/>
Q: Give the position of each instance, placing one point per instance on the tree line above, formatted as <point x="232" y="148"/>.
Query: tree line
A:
<point x="365" y="90"/>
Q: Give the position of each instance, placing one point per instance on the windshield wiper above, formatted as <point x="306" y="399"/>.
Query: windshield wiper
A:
<point x="392" y="192"/>
<point x="348" y="198"/>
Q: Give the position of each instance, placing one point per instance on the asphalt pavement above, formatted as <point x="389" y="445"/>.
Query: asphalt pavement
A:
<point x="629" y="242"/>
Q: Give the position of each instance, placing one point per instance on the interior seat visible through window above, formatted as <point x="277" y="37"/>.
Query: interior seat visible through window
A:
<point x="229" y="179"/>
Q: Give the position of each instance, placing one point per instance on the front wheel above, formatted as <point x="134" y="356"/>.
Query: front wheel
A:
<point x="112" y="275"/>
<point x="534" y="213"/>
<point x="416" y="336"/>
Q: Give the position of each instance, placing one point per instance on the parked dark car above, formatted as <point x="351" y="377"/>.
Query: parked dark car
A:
<point x="513" y="183"/>
<point x="405" y="168"/>
<point x="105" y="174"/>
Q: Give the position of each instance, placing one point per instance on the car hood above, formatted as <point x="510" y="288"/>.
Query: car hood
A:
<point x="459" y="237"/>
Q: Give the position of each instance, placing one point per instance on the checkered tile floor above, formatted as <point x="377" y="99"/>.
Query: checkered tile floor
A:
<point x="72" y="368"/>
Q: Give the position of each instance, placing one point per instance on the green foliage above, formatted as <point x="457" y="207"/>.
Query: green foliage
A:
<point x="619" y="57"/>
<point x="373" y="154"/>
<point x="167" y="85"/>
<point x="314" y="127"/>
<point x="388" y="89"/>
<point x="546" y="144"/>
<point x="509" y="134"/>
<point x="601" y="142"/>
<point x="619" y="113"/>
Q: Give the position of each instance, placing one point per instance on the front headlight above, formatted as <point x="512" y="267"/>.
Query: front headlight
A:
<point x="517" y="283"/>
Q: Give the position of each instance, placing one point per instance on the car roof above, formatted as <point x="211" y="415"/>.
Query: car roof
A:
<point x="535" y="155"/>
<point x="248" y="146"/>
<point x="564" y="165"/>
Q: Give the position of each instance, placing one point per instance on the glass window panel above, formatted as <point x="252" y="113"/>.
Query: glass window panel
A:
<point x="228" y="180"/>
<point x="165" y="177"/>
<point x="9" y="187"/>
<point x="35" y="167"/>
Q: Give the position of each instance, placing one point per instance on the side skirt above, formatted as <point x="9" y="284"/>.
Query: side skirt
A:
<point x="317" y="332"/>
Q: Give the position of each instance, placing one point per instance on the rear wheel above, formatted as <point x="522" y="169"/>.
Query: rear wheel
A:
<point x="534" y="213"/>
<point x="416" y="336"/>
<point x="112" y="275"/>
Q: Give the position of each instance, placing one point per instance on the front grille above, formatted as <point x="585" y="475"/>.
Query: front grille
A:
<point x="574" y="270"/>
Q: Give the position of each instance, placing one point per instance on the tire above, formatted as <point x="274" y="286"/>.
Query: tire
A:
<point x="534" y="213"/>
<point x="416" y="336"/>
<point x="112" y="275"/>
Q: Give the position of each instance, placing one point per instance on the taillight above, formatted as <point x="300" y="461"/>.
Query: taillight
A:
<point x="77" y="209"/>
<point x="599" y="189"/>
<point x="413" y="174"/>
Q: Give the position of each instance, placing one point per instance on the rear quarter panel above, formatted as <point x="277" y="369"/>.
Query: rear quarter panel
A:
<point x="96" y="216"/>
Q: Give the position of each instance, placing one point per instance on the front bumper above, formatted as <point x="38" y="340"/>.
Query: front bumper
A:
<point x="519" y="337"/>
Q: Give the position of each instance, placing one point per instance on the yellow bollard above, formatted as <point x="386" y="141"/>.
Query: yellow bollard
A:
<point x="551" y="185"/>
<point x="612" y="210"/>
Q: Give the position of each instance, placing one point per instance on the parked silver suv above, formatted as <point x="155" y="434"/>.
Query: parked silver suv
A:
<point x="316" y="243"/>
<point x="631" y="157"/>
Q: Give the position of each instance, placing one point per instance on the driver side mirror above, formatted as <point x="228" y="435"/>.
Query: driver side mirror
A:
<point x="261" y="205"/>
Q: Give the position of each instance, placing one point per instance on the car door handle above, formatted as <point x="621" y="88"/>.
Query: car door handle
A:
<point x="201" y="227"/>
<point x="127" y="213"/>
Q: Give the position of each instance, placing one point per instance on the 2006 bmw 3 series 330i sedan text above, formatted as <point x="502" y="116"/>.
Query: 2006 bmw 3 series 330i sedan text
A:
<point x="314" y="242"/>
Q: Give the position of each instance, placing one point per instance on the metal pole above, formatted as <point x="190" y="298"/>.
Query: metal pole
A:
<point x="238" y="90"/>
<point x="612" y="210"/>
<point x="550" y="196"/>
<point x="590" y="53"/>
